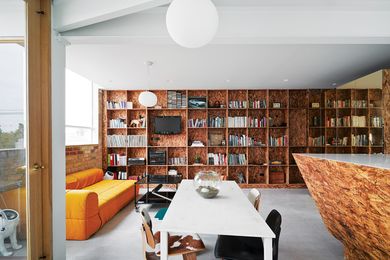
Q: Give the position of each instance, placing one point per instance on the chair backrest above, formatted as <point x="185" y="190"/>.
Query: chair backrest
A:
<point x="147" y="229"/>
<point x="274" y="221"/>
<point x="254" y="197"/>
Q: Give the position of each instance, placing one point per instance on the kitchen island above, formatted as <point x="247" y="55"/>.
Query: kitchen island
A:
<point x="352" y="193"/>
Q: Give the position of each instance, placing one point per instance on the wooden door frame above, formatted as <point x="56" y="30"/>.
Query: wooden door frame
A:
<point x="39" y="193"/>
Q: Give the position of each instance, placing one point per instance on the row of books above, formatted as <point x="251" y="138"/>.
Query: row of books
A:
<point x="338" y="103"/>
<point x="359" y="140"/>
<point x="122" y="176"/>
<point x="257" y="122"/>
<point x="359" y="121"/>
<point x="115" y="159"/>
<point x="278" y="141"/>
<point x="340" y="121"/>
<point x="237" y="159"/>
<point x="359" y="103"/>
<point x="237" y="121"/>
<point x="257" y="104"/>
<point x="177" y="161"/>
<point x="126" y="140"/>
<point x="317" y="141"/>
<point x="316" y="121"/>
<point x="216" y="122"/>
<point x="377" y="121"/>
<point x="119" y="105"/>
<point x="217" y="158"/>
<point x="254" y="142"/>
<point x="176" y="99"/>
<point x="197" y="122"/>
<point x="339" y="141"/>
<point x="118" y="123"/>
<point x="238" y="140"/>
<point x="237" y="104"/>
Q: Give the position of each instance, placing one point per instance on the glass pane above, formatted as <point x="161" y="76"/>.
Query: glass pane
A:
<point x="12" y="129"/>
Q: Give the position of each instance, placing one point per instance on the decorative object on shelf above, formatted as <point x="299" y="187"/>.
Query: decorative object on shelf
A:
<point x="315" y="105"/>
<point x="108" y="175"/>
<point x="216" y="138"/>
<point x="9" y="220"/>
<point x="138" y="123"/>
<point x="192" y="23"/>
<point x="197" y="159"/>
<point x="216" y="104"/>
<point x="147" y="98"/>
<point x="241" y="178"/>
<point x="197" y="144"/>
<point x="197" y="102"/>
<point x="276" y="105"/>
<point x="207" y="183"/>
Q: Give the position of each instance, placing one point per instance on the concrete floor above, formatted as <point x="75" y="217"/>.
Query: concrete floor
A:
<point x="303" y="234"/>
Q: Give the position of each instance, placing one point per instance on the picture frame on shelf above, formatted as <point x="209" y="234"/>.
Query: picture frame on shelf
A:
<point x="197" y="102"/>
<point x="276" y="105"/>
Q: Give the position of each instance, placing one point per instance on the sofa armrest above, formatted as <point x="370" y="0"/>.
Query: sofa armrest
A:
<point x="81" y="204"/>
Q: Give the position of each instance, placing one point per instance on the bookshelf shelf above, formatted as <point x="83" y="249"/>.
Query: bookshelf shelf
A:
<point x="299" y="123"/>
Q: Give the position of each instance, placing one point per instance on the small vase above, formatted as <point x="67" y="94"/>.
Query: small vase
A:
<point x="207" y="184"/>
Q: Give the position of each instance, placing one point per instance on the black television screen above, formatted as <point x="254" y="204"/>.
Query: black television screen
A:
<point x="167" y="125"/>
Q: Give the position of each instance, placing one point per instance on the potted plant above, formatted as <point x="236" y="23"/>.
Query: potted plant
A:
<point x="197" y="158"/>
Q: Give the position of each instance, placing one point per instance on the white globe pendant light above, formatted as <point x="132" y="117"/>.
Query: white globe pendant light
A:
<point x="147" y="98"/>
<point x="192" y="23"/>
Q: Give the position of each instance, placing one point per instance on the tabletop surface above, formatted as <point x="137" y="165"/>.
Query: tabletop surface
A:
<point x="230" y="213"/>
<point x="371" y="160"/>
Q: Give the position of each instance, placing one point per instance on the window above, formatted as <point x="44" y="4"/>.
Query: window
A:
<point x="82" y="110"/>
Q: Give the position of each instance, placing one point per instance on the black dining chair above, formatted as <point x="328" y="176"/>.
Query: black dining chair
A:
<point x="249" y="248"/>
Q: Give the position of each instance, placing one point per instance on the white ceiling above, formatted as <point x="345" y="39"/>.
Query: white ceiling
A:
<point x="259" y="44"/>
<point x="246" y="66"/>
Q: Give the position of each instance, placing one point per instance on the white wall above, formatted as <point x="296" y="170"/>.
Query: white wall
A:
<point x="58" y="147"/>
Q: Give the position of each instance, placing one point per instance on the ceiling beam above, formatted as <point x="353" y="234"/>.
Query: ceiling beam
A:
<point x="74" y="14"/>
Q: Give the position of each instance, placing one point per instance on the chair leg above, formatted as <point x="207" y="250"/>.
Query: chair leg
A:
<point x="190" y="256"/>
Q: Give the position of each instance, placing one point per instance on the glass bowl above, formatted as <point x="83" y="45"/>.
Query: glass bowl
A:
<point x="207" y="184"/>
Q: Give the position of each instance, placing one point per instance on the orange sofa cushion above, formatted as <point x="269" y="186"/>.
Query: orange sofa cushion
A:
<point x="91" y="201"/>
<point x="83" y="179"/>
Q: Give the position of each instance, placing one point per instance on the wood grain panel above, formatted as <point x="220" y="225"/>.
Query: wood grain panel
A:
<point x="386" y="107"/>
<point x="298" y="127"/>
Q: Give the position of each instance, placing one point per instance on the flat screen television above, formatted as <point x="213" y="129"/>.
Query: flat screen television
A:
<point x="167" y="125"/>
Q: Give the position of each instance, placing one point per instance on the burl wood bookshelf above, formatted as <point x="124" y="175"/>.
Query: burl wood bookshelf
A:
<point x="292" y="113"/>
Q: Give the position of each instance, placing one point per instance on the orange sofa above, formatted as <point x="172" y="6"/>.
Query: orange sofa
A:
<point x="91" y="201"/>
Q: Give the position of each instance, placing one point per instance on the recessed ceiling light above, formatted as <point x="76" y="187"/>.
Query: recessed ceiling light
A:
<point x="228" y="80"/>
<point x="334" y="84"/>
<point x="285" y="80"/>
<point x="169" y="81"/>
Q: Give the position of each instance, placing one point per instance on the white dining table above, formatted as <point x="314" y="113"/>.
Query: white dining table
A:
<point x="230" y="213"/>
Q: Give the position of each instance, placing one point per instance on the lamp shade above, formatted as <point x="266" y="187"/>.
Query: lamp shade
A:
<point x="192" y="23"/>
<point x="147" y="99"/>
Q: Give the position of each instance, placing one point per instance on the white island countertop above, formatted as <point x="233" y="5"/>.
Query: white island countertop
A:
<point x="371" y="160"/>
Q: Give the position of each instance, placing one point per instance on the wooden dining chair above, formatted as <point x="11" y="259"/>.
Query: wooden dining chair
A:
<point x="254" y="197"/>
<point x="185" y="245"/>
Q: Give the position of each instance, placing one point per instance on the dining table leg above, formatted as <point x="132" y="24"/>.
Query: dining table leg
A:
<point x="163" y="245"/>
<point x="267" y="242"/>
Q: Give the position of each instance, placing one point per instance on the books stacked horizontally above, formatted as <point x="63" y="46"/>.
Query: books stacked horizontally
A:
<point x="237" y="121"/>
<point x="278" y="141"/>
<point x="254" y="142"/>
<point x="115" y="159"/>
<point x="217" y="158"/>
<point x="197" y="123"/>
<point x="119" y="105"/>
<point x="359" y="103"/>
<point x="126" y="140"/>
<point x="257" y="122"/>
<point x="317" y="141"/>
<point x="176" y="99"/>
<point x="359" y="140"/>
<point x="118" y="123"/>
<point x="258" y="104"/>
<point x="237" y="159"/>
<point x="237" y="104"/>
<point x="216" y="122"/>
<point x="359" y="121"/>
<point x="238" y="140"/>
<point x="376" y="121"/>
<point x="177" y="161"/>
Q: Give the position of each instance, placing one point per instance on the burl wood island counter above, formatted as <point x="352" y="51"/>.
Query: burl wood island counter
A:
<point x="352" y="193"/>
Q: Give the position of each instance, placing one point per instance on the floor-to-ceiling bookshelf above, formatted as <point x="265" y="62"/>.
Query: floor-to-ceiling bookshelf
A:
<point x="295" y="122"/>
